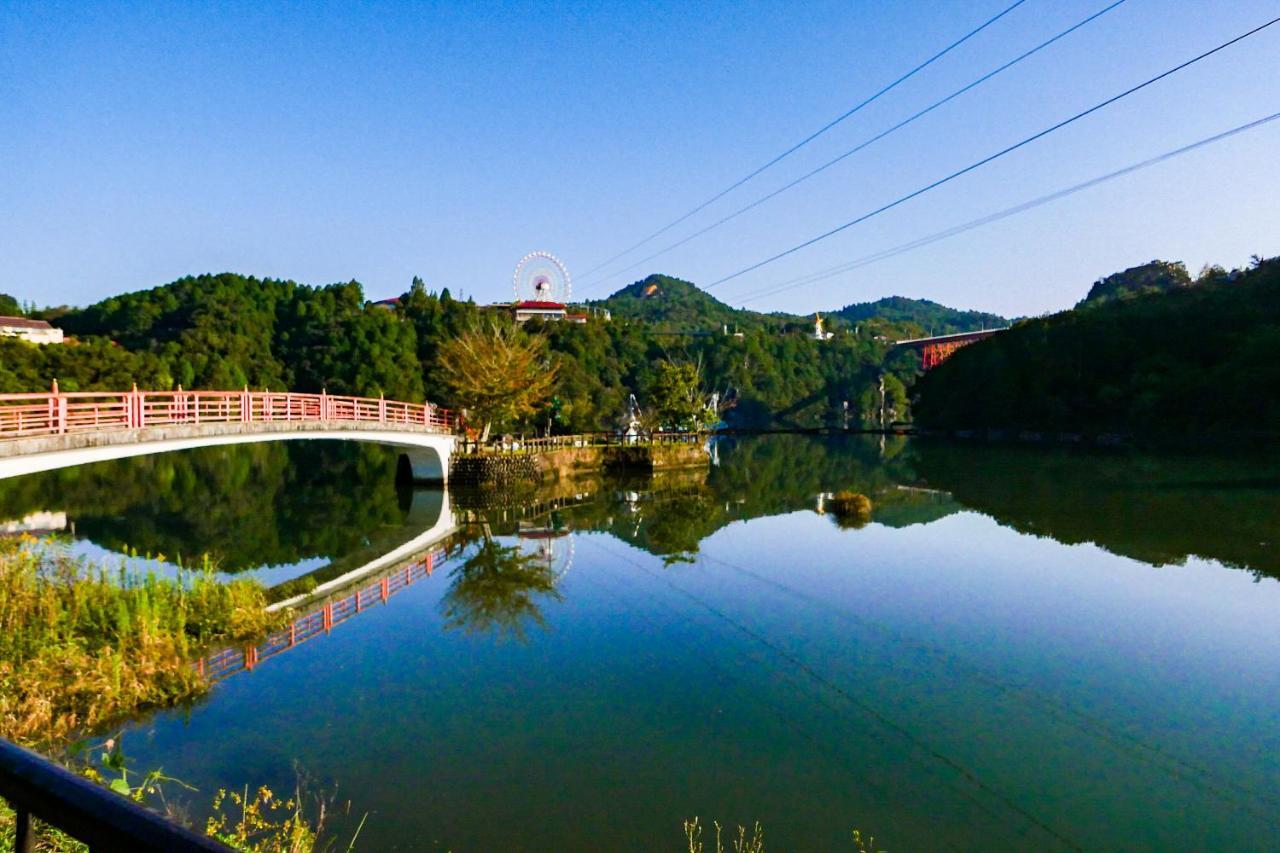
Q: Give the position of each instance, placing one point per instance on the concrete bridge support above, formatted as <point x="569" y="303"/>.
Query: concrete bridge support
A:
<point x="423" y="466"/>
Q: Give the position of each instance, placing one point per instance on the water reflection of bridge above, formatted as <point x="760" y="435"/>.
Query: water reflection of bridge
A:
<point x="429" y="521"/>
<point x="379" y="579"/>
<point x="321" y="619"/>
<point x="389" y="562"/>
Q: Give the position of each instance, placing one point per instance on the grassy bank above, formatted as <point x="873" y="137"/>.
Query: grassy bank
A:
<point x="84" y="646"/>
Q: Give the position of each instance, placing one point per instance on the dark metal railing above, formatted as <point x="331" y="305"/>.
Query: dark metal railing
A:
<point x="36" y="787"/>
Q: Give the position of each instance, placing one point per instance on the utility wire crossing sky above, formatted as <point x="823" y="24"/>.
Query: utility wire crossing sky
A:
<point x="859" y="147"/>
<point x="997" y="155"/>
<point x="144" y="143"/>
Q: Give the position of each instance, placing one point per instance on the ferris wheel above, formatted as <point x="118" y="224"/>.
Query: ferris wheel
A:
<point x="550" y="546"/>
<point x="541" y="277"/>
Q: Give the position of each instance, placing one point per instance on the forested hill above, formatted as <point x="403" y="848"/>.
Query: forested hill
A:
<point x="227" y="331"/>
<point x="1152" y="277"/>
<point x="1191" y="358"/>
<point x="932" y="318"/>
<point x="677" y="304"/>
<point x="674" y="303"/>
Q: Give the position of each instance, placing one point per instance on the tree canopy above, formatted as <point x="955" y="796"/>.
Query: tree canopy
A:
<point x="933" y="318"/>
<point x="1152" y="277"/>
<point x="226" y="331"/>
<point x="675" y="399"/>
<point x="496" y="372"/>
<point x="1181" y="359"/>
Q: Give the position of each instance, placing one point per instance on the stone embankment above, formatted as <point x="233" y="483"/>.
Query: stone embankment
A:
<point x="475" y="469"/>
<point x="565" y="461"/>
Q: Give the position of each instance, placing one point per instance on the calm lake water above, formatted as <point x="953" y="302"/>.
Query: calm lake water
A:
<point x="1024" y="649"/>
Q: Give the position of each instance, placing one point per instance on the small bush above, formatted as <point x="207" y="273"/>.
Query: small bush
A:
<point x="850" y="510"/>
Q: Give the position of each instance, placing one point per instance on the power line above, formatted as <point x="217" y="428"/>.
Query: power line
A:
<point x="787" y="674"/>
<point x="1210" y="781"/>
<point x="919" y="742"/>
<point x="920" y="114"/>
<point x="809" y="138"/>
<point x="902" y="248"/>
<point x="984" y="161"/>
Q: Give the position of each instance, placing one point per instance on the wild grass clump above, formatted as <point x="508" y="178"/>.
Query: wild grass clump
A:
<point x="261" y="822"/>
<point x="753" y="842"/>
<point x="250" y="822"/>
<point x="82" y="644"/>
<point x="742" y="843"/>
<point x="849" y="510"/>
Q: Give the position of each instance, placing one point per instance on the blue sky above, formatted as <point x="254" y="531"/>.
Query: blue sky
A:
<point x="378" y="141"/>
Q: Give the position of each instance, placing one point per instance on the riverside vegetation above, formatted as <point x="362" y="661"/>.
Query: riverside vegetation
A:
<point x="1151" y="351"/>
<point x="227" y="331"/>
<point x="1149" y="348"/>
<point x="752" y="841"/>
<point x="83" y="646"/>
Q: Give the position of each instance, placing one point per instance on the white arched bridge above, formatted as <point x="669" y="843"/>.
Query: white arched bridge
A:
<point x="40" y="432"/>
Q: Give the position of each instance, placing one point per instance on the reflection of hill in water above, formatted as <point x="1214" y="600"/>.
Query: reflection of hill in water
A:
<point x="1156" y="508"/>
<point x="1159" y="509"/>
<point x="914" y="506"/>
<point x="281" y="504"/>
<point x="246" y="506"/>
<point x="756" y="476"/>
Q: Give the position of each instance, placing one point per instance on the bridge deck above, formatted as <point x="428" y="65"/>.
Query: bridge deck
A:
<point x="954" y="337"/>
<point x="43" y="431"/>
<point x="95" y="412"/>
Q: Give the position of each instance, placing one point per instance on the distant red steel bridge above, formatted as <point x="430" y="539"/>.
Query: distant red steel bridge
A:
<point x="319" y="621"/>
<point x="938" y="348"/>
<point x="56" y="429"/>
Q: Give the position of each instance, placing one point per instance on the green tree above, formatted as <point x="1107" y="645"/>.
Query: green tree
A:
<point x="674" y="397"/>
<point x="1176" y="359"/>
<point x="497" y="373"/>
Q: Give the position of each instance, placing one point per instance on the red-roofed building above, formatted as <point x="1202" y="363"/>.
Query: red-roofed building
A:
<point x="530" y="309"/>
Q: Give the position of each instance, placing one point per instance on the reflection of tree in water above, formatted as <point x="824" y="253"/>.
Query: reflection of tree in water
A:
<point x="497" y="589"/>
<point x="246" y="506"/>
<point x="674" y="528"/>
<point x="1159" y="508"/>
<point x="670" y="513"/>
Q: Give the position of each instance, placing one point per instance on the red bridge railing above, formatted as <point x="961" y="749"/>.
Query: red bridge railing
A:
<point x="322" y="620"/>
<point x="55" y="413"/>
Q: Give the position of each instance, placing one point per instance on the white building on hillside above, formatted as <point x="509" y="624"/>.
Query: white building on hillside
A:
<point x="34" y="331"/>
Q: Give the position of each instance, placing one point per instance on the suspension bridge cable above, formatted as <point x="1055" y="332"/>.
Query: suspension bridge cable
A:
<point x="827" y="165"/>
<point x="992" y="157"/>
<point x="902" y="248"/>
<point x="796" y="147"/>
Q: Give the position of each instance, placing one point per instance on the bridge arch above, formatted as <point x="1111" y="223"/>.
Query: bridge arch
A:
<point x="429" y="454"/>
<point x="422" y="465"/>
